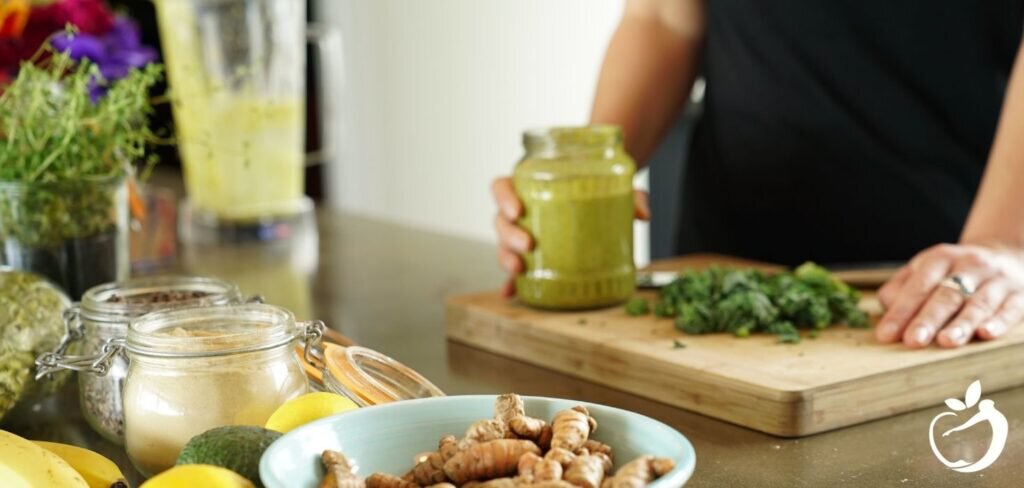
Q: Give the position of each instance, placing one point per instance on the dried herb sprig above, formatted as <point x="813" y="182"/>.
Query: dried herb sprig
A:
<point x="51" y="130"/>
<point x="62" y="152"/>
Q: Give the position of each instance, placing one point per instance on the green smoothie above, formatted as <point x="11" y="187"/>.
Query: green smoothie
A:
<point x="576" y="185"/>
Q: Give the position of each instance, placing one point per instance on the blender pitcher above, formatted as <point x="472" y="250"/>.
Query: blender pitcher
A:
<point x="237" y="76"/>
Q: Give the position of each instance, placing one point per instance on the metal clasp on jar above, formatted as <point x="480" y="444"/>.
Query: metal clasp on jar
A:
<point x="52" y="362"/>
<point x="312" y="331"/>
<point x="74" y="331"/>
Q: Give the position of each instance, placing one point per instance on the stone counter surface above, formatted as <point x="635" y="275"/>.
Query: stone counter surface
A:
<point x="383" y="285"/>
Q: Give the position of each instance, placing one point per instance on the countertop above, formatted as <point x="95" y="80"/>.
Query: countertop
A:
<point x="383" y="285"/>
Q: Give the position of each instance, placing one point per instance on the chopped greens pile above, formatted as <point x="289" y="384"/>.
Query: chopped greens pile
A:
<point x="745" y="301"/>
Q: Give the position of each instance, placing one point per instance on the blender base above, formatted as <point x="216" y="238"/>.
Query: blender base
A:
<point x="199" y="227"/>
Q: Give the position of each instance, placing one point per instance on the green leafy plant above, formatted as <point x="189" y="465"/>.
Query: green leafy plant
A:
<point x="62" y="149"/>
<point x="746" y="301"/>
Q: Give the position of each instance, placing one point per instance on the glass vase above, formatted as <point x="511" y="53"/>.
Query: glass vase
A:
<point x="74" y="233"/>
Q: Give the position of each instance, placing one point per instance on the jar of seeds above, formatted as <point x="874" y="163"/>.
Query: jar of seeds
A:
<point x="104" y="313"/>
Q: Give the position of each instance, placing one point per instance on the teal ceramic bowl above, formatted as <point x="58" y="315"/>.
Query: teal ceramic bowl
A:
<point x="388" y="437"/>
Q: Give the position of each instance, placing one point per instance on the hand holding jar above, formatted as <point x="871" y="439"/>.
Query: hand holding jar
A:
<point x="564" y="219"/>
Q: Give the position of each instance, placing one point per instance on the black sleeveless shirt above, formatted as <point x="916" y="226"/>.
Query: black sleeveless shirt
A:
<point x="844" y="130"/>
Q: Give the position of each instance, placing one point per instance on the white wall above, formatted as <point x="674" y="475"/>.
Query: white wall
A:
<point x="438" y="92"/>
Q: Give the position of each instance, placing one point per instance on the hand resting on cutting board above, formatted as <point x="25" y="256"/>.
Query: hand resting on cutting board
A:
<point x="921" y="310"/>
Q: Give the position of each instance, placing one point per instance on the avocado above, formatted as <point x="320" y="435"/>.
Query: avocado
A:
<point x="235" y="447"/>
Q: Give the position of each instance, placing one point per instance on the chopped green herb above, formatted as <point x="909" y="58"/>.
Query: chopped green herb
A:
<point x="636" y="307"/>
<point x="678" y="345"/>
<point x="745" y="301"/>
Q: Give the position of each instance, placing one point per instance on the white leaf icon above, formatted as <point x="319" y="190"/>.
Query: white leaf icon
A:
<point x="956" y="404"/>
<point x="973" y="393"/>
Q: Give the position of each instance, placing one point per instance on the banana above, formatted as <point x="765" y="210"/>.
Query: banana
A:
<point x="26" y="465"/>
<point x="98" y="471"/>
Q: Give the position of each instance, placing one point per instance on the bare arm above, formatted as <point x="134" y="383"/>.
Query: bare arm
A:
<point x="997" y="217"/>
<point x="649" y="69"/>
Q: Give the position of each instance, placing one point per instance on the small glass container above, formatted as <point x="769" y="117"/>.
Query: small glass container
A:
<point x="104" y="314"/>
<point x="74" y="232"/>
<point x="576" y="185"/>
<point x="194" y="369"/>
<point x="365" y="376"/>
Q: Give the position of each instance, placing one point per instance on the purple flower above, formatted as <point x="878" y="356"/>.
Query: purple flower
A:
<point x="116" y="52"/>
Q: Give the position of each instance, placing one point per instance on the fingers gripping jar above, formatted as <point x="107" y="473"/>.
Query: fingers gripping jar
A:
<point x="104" y="314"/>
<point x="194" y="369"/>
<point x="576" y="185"/>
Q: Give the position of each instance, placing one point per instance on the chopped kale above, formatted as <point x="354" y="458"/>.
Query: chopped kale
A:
<point x="636" y="307"/>
<point x="743" y="302"/>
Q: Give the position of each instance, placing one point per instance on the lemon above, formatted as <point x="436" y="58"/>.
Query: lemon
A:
<point x="307" y="408"/>
<point x="195" y="475"/>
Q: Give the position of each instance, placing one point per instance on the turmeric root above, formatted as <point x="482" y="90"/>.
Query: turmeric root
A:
<point x="508" y="407"/>
<point x="382" y="480"/>
<point x="592" y="447"/>
<point x="430" y="471"/>
<point x="560" y="456"/>
<point x="487" y="460"/>
<point x="639" y="472"/>
<point x="544" y="440"/>
<point x="500" y="483"/>
<point x="588" y="471"/>
<point x="483" y="431"/>
<point x="527" y="427"/>
<point x="510" y="411"/>
<point x="552" y="484"/>
<point x="571" y="428"/>
<point x="534" y="469"/>
<point x="340" y="473"/>
<point x="448" y="447"/>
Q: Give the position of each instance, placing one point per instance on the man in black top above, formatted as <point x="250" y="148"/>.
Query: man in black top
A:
<point x="838" y="131"/>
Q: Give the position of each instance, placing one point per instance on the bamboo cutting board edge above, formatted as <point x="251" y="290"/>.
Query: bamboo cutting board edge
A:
<point x="789" y="413"/>
<point x="735" y="403"/>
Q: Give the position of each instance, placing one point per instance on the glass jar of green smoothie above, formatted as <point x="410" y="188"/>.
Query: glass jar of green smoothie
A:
<point x="576" y="185"/>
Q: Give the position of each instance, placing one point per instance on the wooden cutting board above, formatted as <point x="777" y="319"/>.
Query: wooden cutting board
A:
<point x="841" y="378"/>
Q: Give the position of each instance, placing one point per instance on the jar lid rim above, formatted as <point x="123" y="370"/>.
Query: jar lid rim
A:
<point x="97" y="307"/>
<point x="373" y="376"/>
<point x="244" y="328"/>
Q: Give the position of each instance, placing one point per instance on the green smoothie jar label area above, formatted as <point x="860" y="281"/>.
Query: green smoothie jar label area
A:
<point x="576" y="185"/>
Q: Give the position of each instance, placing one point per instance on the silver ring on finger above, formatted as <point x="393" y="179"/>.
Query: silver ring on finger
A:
<point x="959" y="284"/>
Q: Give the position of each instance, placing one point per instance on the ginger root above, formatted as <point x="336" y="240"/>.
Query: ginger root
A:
<point x="430" y="471"/>
<point x="340" y="473"/>
<point x="383" y="480"/>
<point x="639" y="472"/>
<point x="488" y="460"/>
<point x="588" y="471"/>
<point x="571" y="428"/>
